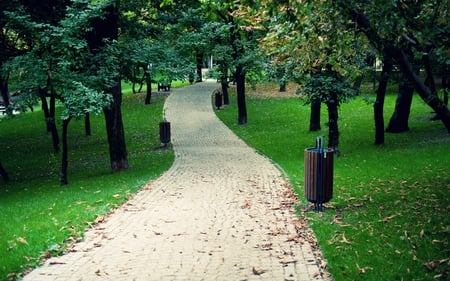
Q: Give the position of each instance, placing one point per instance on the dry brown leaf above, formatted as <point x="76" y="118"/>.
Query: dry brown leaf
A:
<point x="287" y="261"/>
<point x="22" y="240"/>
<point x="345" y="240"/>
<point x="258" y="271"/>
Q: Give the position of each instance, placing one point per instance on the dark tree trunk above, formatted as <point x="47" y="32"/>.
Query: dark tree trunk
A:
<point x="224" y="83"/>
<point x="226" y="98"/>
<point x="400" y="117"/>
<point x="333" y="129"/>
<point x="3" y="173"/>
<point x="5" y="93"/>
<point x="65" y="154"/>
<point x="107" y="28"/>
<point x="199" y="59"/>
<point x="445" y="87"/>
<point x="87" y="124"/>
<point x="379" y="102"/>
<point x="240" y="88"/>
<point x="148" y="81"/>
<point x="140" y="82"/>
<point x="314" y="119"/>
<point x="49" y="119"/>
<point x="282" y="86"/>
<point x="116" y="132"/>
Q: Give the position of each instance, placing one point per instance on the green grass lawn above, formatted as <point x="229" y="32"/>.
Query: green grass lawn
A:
<point x="37" y="215"/>
<point x="388" y="219"/>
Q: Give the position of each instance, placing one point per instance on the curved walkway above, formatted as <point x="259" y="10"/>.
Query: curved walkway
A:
<point x="221" y="212"/>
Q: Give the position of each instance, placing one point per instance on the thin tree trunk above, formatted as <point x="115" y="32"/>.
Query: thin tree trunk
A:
<point x="240" y="88"/>
<point x="3" y="173"/>
<point x="49" y="119"/>
<point x="379" y="102"/>
<point x="5" y="93"/>
<point x="333" y="129"/>
<point x="64" y="158"/>
<point x="87" y="124"/>
<point x="199" y="59"/>
<point x="224" y="83"/>
<point x="148" y="81"/>
<point x="314" y="118"/>
<point x="226" y="97"/>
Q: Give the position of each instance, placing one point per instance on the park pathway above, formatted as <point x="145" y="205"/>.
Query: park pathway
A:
<point x="221" y="212"/>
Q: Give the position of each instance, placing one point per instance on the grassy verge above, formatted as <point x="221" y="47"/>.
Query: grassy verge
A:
<point x="388" y="219"/>
<point x="37" y="215"/>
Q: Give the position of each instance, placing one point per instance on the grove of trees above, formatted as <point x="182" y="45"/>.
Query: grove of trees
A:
<point x="77" y="52"/>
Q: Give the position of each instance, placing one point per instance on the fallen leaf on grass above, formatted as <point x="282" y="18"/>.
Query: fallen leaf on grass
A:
<point x="344" y="240"/>
<point x="387" y="219"/>
<point x="22" y="240"/>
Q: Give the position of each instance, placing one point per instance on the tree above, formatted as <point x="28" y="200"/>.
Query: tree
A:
<point x="322" y="54"/>
<point x="61" y="63"/>
<point x="407" y="30"/>
<point x="104" y="36"/>
<point x="242" y="41"/>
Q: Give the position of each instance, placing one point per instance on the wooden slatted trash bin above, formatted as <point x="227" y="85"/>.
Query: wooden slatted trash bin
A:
<point x="318" y="180"/>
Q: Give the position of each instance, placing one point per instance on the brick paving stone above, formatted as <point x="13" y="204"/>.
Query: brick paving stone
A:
<point x="221" y="212"/>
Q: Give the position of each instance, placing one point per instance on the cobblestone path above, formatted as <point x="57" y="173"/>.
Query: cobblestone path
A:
<point x="221" y="212"/>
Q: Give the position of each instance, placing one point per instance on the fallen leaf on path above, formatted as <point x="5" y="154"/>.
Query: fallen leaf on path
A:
<point x="258" y="271"/>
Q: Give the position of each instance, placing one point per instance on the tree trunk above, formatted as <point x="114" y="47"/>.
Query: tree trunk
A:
<point x="445" y="87"/>
<point x="87" y="124"/>
<point x="333" y="129"/>
<point x="314" y="119"/>
<point x="49" y="119"/>
<point x="282" y="86"/>
<point x="115" y="131"/>
<point x="379" y="102"/>
<point x="240" y="88"/>
<point x="3" y="173"/>
<point x="226" y="98"/>
<point x="224" y="83"/>
<point x="199" y="59"/>
<point x="5" y="93"/>
<point x="148" y="81"/>
<point x="107" y="28"/>
<point x="400" y="117"/>
<point x="64" y="158"/>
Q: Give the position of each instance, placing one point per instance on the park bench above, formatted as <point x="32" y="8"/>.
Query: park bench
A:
<point x="163" y="85"/>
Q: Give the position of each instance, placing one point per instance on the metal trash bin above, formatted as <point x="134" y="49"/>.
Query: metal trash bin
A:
<point x="318" y="180"/>
<point x="218" y="99"/>
<point x="164" y="132"/>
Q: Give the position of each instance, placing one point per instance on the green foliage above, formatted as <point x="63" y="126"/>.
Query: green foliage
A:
<point x="60" y="60"/>
<point x="38" y="216"/>
<point x="325" y="87"/>
<point x="388" y="219"/>
<point x="79" y="100"/>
